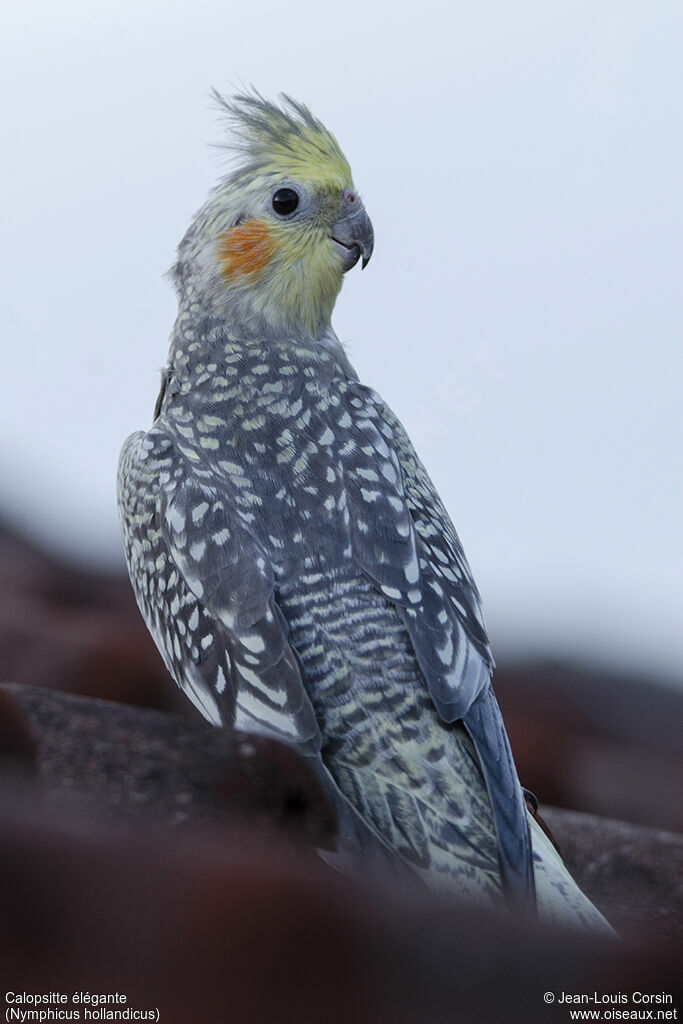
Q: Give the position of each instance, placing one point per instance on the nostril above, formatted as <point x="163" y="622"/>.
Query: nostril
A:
<point x="349" y="197"/>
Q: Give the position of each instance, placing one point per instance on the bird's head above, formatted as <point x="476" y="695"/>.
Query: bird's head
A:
<point x="276" y="236"/>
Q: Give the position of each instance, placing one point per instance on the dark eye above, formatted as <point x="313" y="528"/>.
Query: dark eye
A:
<point x="285" y="201"/>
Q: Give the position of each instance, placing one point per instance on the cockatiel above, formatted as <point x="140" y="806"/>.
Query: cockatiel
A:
<point x="289" y="553"/>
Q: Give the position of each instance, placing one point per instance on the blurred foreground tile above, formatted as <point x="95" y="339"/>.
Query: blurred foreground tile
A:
<point x="215" y="928"/>
<point x="140" y="767"/>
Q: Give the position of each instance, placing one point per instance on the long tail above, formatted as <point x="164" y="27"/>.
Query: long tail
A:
<point x="484" y="723"/>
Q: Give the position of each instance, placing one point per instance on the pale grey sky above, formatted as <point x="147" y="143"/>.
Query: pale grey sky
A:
<point x="522" y="164"/>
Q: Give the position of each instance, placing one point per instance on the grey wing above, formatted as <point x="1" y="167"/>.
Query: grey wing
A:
<point x="405" y="542"/>
<point x="205" y="590"/>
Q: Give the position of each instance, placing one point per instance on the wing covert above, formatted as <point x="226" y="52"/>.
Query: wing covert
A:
<point x="205" y="589"/>
<point x="404" y="540"/>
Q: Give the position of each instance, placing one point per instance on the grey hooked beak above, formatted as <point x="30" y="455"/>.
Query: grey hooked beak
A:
<point x="354" y="237"/>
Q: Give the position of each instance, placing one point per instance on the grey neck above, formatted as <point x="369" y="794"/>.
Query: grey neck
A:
<point x="200" y="338"/>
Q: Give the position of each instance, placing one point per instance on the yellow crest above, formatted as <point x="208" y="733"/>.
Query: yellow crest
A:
<point x="284" y="140"/>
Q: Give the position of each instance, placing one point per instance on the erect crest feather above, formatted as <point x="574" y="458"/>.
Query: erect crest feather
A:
<point x="285" y="139"/>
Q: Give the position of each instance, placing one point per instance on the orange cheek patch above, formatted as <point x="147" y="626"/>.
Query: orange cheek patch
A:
<point x="245" y="249"/>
